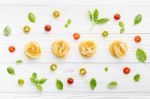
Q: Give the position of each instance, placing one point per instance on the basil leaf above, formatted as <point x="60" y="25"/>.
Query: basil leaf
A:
<point x="137" y="19"/>
<point x="93" y="83"/>
<point x="112" y="85"/>
<point x="106" y="69"/>
<point x="141" y="55"/>
<point x="11" y="70"/>
<point x="102" y="21"/>
<point x="7" y="30"/>
<point x="95" y="15"/>
<point x="121" y="24"/>
<point x="19" y="61"/>
<point x="33" y="80"/>
<point x="42" y="81"/>
<point x="66" y="25"/>
<point x="122" y="30"/>
<point x="34" y="76"/>
<point x="31" y="17"/>
<point x="69" y="21"/>
<point x="137" y="77"/>
<point x="90" y="15"/>
<point x="59" y="85"/>
<point x="39" y="87"/>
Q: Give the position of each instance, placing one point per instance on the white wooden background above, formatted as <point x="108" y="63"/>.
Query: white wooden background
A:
<point x="14" y="13"/>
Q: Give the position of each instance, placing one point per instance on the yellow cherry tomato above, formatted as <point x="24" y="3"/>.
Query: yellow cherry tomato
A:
<point x="56" y="13"/>
<point x="105" y="33"/>
<point x="26" y="29"/>
<point x="82" y="71"/>
<point x="53" y="67"/>
<point x="21" y="82"/>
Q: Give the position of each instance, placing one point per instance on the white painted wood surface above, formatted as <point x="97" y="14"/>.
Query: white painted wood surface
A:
<point x="14" y="13"/>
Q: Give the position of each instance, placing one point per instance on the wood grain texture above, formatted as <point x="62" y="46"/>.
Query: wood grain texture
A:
<point x="14" y="13"/>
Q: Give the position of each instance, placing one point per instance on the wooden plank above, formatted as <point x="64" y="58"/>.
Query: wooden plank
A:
<point x="72" y="2"/>
<point x="80" y="19"/>
<point x="81" y="85"/>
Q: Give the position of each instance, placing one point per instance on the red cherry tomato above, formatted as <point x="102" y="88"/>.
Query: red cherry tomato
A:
<point x="11" y="49"/>
<point x="70" y="81"/>
<point x="117" y="16"/>
<point x="76" y="36"/>
<point x="47" y="28"/>
<point x="137" y="39"/>
<point x="126" y="70"/>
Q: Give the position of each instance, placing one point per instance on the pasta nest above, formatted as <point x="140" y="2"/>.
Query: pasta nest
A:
<point x="118" y="48"/>
<point x="33" y="49"/>
<point x="87" y="48"/>
<point x="60" y="48"/>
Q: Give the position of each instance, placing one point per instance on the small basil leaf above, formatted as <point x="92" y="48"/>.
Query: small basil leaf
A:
<point x="11" y="70"/>
<point x="59" y="85"/>
<point x="121" y="24"/>
<point x="7" y="30"/>
<point x="33" y="80"/>
<point x="106" y="69"/>
<point x="141" y="55"/>
<point x="42" y="81"/>
<point x="90" y="15"/>
<point x="34" y="76"/>
<point x="137" y="77"/>
<point x="19" y="61"/>
<point x="137" y="19"/>
<point x="31" y="17"/>
<point x="95" y="15"/>
<point x="112" y="85"/>
<point x="69" y="21"/>
<point x="102" y="21"/>
<point x="93" y="83"/>
<point x="39" y="87"/>
<point x="122" y="30"/>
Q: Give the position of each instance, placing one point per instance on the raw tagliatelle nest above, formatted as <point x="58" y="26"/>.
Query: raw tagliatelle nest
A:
<point x="33" y="49"/>
<point x="87" y="48"/>
<point x="60" y="48"/>
<point x="118" y="48"/>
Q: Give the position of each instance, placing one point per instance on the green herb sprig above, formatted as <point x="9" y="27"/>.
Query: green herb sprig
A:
<point x="94" y="17"/>
<point x="37" y="82"/>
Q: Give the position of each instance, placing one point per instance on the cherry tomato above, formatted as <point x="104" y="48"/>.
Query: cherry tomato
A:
<point x="76" y="36"/>
<point x="26" y="29"/>
<point x="11" y="49"/>
<point x="47" y="28"/>
<point x="56" y="14"/>
<point x="53" y="67"/>
<point x="137" y="39"/>
<point x="105" y="33"/>
<point x="70" y="81"/>
<point x="117" y="16"/>
<point x="21" y="82"/>
<point x="82" y="71"/>
<point x="126" y="70"/>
